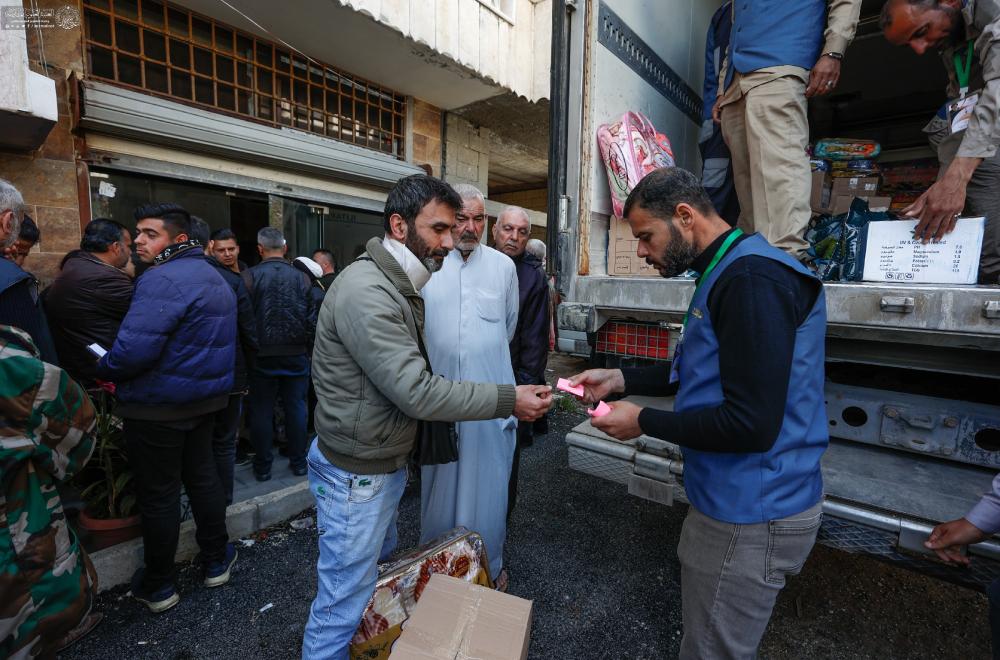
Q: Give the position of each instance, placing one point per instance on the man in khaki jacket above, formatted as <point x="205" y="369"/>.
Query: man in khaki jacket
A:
<point x="372" y="385"/>
<point x="780" y="54"/>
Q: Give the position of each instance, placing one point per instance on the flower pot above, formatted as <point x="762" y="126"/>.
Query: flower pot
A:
<point x="104" y="533"/>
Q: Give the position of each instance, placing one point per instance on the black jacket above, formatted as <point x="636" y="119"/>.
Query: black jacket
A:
<point x="85" y="305"/>
<point x="529" y="349"/>
<point x="285" y="307"/>
<point x="246" y="324"/>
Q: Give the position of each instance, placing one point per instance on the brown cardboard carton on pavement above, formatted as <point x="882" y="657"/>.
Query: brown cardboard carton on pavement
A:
<point x="456" y="619"/>
<point x="622" y="259"/>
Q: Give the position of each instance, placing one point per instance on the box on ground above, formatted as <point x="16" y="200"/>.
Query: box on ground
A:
<point x="891" y="254"/>
<point x="458" y="553"/>
<point x="456" y="619"/>
<point x="622" y="259"/>
<point x="842" y="204"/>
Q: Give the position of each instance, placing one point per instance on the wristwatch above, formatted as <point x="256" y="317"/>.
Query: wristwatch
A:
<point x="835" y="55"/>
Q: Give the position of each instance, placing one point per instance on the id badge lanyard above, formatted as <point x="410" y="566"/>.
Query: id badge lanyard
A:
<point x="962" y="72"/>
<point x="720" y="253"/>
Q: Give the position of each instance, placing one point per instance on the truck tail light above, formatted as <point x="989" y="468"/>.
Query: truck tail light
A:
<point x="651" y="341"/>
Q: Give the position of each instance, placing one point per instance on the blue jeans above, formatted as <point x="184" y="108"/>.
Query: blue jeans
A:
<point x="264" y="390"/>
<point x="356" y="518"/>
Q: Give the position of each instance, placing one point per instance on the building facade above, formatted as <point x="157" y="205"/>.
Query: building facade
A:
<point x="251" y="114"/>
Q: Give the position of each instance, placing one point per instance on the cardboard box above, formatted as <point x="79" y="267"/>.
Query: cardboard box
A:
<point x="622" y="259"/>
<point x="455" y="619"/>
<point x="858" y="186"/>
<point x="458" y="553"/>
<point x="819" y="198"/>
<point x="891" y="254"/>
<point x="842" y="203"/>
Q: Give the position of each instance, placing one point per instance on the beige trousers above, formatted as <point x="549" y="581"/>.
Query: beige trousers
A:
<point x="765" y="124"/>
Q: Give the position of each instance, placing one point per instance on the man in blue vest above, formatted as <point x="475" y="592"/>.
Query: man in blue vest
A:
<point x="749" y="414"/>
<point x="780" y="54"/>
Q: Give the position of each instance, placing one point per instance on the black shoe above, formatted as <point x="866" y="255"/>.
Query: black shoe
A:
<point x="217" y="573"/>
<point x="242" y="458"/>
<point x="157" y="601"/>
<point x="262" y="476"/>
<point x="300" y="471"/>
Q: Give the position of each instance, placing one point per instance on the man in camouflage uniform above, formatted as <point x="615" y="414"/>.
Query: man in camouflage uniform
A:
<point x="47" y="583"/>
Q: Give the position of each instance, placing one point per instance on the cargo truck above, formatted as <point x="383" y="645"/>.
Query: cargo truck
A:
<point x="913" y="371"/>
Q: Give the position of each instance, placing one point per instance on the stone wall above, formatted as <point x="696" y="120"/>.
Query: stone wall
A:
<point x="467" y="153"/>
<point x="48" y="177"/>
<point x="426" y="136"/>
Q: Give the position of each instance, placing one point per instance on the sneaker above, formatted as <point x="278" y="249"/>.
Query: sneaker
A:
<point x="157" y="601"/>
<point x="217" y="572"/>
<point x="299" y="470"/>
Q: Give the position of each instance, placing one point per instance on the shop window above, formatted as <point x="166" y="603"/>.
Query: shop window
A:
<point x="173" y="52"/>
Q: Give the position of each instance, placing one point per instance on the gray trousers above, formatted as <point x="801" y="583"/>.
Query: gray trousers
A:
<point x="731" y="576"/>
<point x="982" y="198"/>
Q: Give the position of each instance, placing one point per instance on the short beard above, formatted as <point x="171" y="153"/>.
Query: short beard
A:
<point x="957" y="34"/>
<point x="419" y="248"/>
<point x="467" y="243"/>
<point x="678" y="255"/>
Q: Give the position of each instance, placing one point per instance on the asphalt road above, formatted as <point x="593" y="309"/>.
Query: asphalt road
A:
<point x="602" y="571"/>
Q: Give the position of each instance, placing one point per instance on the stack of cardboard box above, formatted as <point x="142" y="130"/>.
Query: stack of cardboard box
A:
<point x="834" y="190"/>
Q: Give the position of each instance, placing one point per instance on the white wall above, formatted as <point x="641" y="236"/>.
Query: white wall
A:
<point x="514" y="55"/>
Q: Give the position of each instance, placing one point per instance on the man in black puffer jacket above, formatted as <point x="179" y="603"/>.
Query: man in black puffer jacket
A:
<point x="227" y="420"/>
<point x="286" y="322"/>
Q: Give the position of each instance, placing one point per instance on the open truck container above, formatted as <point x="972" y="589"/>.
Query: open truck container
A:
<point x="913" y="372"/>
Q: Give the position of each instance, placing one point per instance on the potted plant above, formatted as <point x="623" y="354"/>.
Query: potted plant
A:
<point x="108" y="517"/>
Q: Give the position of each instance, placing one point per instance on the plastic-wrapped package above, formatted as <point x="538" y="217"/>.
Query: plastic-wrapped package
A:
<point x="835" y="242"/>
<point x="818" y="165"/>
<point x="631" y="148"/>
<point x="846" y="149"/>
<point x="458" y="553"/>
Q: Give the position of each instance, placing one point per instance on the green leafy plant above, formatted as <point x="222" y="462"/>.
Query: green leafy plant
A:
<point x="110" y="493"/>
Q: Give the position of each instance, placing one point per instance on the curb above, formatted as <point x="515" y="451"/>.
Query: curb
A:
<point x="116" y="565"/>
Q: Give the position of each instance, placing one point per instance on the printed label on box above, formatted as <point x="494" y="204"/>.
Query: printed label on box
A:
<point x="892" y="254"/>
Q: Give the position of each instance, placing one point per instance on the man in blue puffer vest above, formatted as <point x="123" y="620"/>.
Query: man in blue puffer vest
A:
<point x="749" y="414"/>
<point x="173" y="362"/>
<point x="780" y="54"/>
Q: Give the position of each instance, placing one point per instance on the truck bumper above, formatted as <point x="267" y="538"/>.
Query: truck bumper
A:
<point x="863" y="484"/>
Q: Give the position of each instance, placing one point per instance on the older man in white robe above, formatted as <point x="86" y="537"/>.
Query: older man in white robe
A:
<point x="471" y="314"/>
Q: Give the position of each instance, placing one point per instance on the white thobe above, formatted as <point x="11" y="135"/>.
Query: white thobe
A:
<point x="470" y="317"/>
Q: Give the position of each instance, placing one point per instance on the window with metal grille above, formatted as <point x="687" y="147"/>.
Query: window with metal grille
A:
<point x="173" y="52"/>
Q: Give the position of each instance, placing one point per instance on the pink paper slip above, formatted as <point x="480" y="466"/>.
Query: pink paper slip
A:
<point x="563" y="384"/>
<point x="601" y="410"/>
